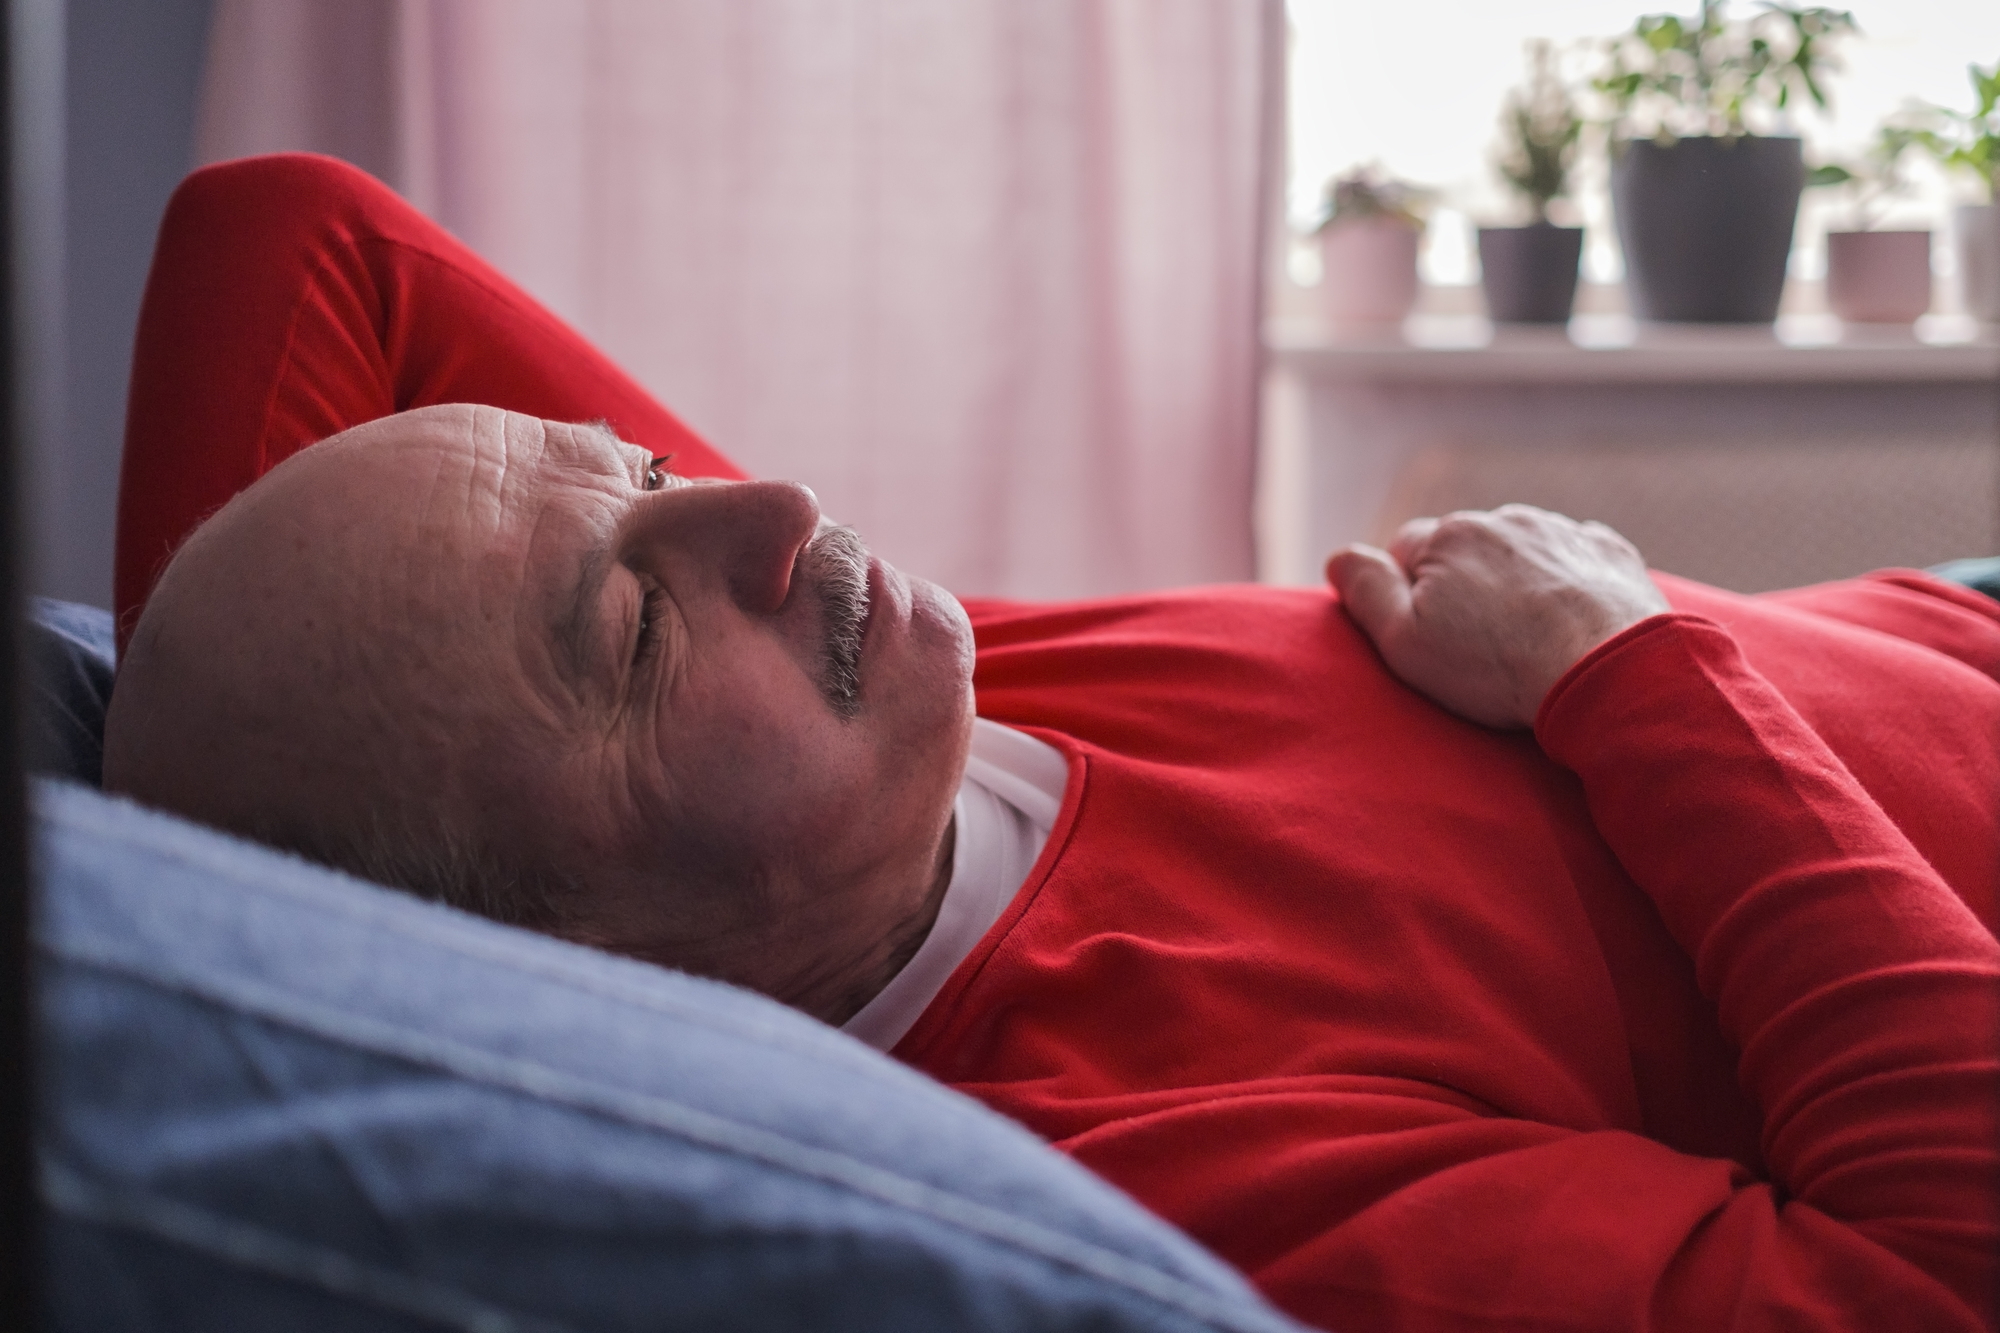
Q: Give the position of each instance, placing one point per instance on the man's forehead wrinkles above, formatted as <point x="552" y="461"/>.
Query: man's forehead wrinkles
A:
<point x="523" y="446"/>
<point x="593" y="447"/>
<point x="540" y="497"/>
<point x="531" y="466"/>
<point x="455" y="495"/>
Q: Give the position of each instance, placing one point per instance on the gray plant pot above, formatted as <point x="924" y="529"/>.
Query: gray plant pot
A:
<point x="1529" y="272"/>
<point x="1706" y="225"/>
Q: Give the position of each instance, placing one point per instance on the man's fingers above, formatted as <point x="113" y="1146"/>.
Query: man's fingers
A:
<point x="1372" y="586"/>
<point x="1410" y="538"/>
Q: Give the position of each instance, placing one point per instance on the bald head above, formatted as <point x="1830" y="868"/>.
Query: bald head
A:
<point x="294" y="676"/>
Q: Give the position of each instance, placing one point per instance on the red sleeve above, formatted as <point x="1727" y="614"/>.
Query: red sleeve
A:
<point x="1863" y="996"/>
<point x="294" y="296"/>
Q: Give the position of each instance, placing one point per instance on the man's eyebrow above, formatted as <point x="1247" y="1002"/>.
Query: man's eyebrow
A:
<point x="601" y="429"/>
<point x="573" y="629"/>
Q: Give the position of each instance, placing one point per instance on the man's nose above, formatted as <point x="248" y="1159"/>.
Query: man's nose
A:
<point x="748" y="531"/>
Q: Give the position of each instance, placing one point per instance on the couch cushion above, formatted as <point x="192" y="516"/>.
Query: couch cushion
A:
<point x="278" y="1098"/>
<point x="1981" y="574"/>
<point x="68" y="662"/>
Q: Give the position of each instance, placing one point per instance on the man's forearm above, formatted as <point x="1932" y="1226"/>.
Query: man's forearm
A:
<point x="1863" y="995"/>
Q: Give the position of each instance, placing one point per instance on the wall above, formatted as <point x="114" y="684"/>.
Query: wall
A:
<point x="131" y="71"/>
<point x="1723" y="454"/>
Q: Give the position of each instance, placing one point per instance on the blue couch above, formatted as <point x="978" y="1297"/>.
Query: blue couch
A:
<point x="277" y="1098"/>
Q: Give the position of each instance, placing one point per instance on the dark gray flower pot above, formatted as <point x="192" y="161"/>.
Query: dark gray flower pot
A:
<point x="1706" y="225"/>
<point x="1529" y="272"/>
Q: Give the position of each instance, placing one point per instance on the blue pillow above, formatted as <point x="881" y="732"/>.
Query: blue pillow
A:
<point x="68" y="664"/>
<point x="277" y="1098"/>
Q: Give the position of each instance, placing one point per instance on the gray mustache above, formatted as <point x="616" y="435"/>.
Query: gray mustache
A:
<point x="835" y="563"/>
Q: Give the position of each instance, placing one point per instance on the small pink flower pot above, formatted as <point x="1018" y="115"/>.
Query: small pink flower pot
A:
<point x="1368" y="271"/>
<point x="1878" y="277"/>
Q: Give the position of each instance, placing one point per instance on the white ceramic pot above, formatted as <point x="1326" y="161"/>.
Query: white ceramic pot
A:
<point x="1368" y="271"/>
<point x="1878" y="277"/>
<point x="1978" y="228"/>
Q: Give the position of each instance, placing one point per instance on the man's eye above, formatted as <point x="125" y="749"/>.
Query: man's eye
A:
<point x="657" y="472"/>
<point x="652" y="624"/>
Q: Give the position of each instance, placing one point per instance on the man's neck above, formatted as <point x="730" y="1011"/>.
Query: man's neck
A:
<point x="840" y="998"/>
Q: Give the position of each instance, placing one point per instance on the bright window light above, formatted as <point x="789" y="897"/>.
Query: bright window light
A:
<point x="1417" y="88"/>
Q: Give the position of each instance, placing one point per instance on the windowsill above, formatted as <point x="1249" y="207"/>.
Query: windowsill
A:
<point x="1616" y="348"/>
<point x="1449" y="339"/>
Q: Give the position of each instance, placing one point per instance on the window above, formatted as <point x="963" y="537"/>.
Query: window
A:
<point x="1418" y="88"/>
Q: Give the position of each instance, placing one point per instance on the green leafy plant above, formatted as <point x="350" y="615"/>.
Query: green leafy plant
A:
<point x="1540" y="126"/>
<point x="1672" y="77"/>
<point x="1877" y="176"/>
<point x="1366" y="192"/>
<point x="1968" y="142"/>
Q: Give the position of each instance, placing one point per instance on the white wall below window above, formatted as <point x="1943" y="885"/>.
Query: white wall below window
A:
<point x="1726" y="455"/>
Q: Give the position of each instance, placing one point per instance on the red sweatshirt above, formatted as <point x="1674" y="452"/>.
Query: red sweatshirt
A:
<point x="1656" y="1018"/>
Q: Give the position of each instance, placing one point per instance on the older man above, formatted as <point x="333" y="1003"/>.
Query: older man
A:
<point x="1681" y="1011"/>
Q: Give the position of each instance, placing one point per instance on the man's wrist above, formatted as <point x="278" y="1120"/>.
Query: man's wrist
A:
<point x="1602" y="657"/>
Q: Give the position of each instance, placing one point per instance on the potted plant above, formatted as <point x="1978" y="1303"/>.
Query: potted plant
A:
<point x="1875" y="276"/>
<point x="1368" y="250"/>
<point x="1705" y="208"/>
<point x="1529" y="273"/>
<point x="1971" y="144"/>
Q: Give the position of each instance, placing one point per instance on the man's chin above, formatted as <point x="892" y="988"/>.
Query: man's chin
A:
<point x="920" y="688"/>
<point x="943" y="614"/>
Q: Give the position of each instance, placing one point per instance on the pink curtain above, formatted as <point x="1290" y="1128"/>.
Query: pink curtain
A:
<point x="984" y="273"/>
